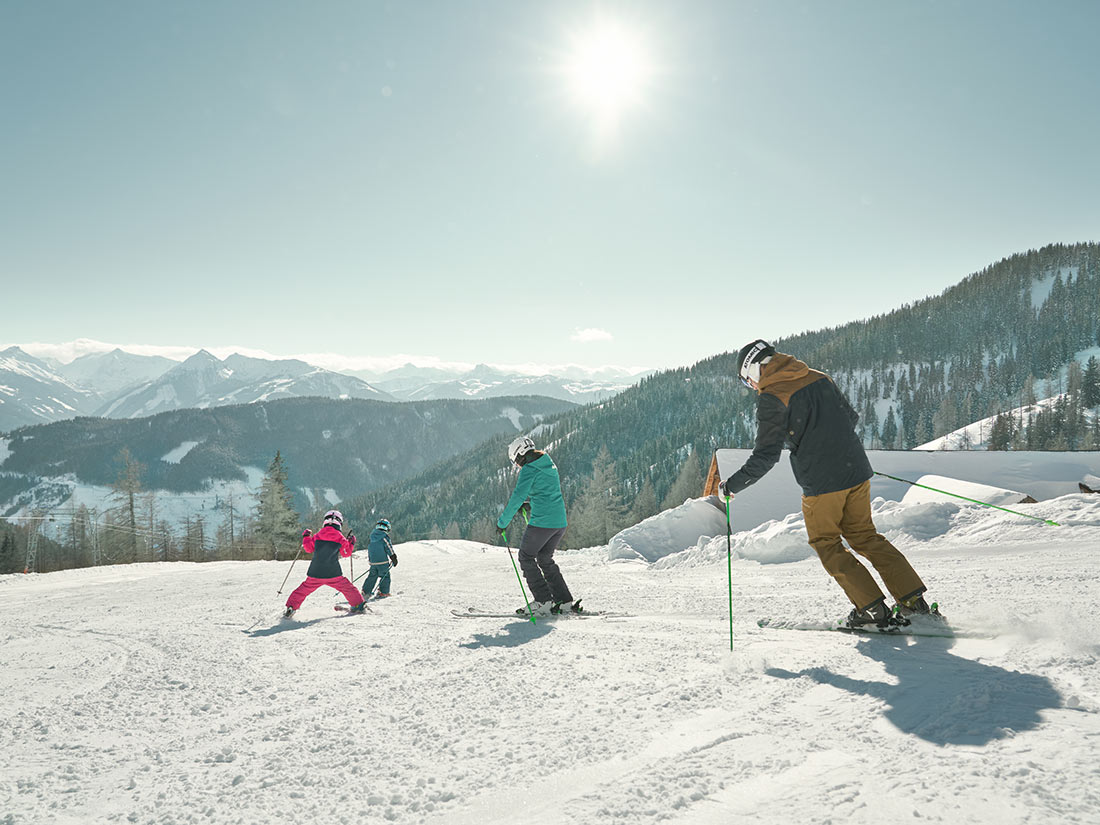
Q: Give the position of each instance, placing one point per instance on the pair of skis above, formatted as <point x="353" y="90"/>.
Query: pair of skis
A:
<point x="918" y="626"/>
<point x="475" y="613"/>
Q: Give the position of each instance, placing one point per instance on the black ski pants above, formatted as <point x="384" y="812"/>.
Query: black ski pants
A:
<point x="536" y="559"/>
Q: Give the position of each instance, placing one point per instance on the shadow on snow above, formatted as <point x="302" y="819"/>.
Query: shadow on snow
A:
<point x="283" y="625"/>
<point x="515" y="634"/>
<point x="943" y="698"/>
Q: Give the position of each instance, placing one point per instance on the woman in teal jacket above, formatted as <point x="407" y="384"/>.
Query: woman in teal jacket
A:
<point x="539" y="483"/>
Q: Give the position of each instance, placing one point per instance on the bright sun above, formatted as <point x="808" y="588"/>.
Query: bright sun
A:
<point x="608" y="70"/>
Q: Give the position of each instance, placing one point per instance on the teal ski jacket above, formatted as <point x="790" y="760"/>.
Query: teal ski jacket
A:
<point x="538" y="481"/>
<point x="379" y="546"/>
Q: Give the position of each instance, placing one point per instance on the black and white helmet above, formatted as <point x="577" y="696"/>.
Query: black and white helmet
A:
<point x="521" y="445"/>
<point x="751" y="358"/>
<point x="334" y="518"/>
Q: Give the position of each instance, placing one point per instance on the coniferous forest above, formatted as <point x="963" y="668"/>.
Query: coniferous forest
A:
<point x="1002" y="339"/>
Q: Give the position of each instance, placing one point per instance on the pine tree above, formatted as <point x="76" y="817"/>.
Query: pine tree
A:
<point x="125" y="493"/>
<point x="485" y="531"/>
<point x="645" y="503"/>
<point x="688" y="484"/>
<point x="1002" y="433"/>
<point x="889" y="430"/>
<point x="599" y="512"/>
<point x="277" y="524"/>
<point x="8" y="553"/>
<point x="1090" y="384"/>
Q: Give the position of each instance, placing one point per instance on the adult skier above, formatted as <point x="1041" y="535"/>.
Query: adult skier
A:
<point x="539" y="482"/>
<point x="803" y="409"/>
<point x="327" y="546"/>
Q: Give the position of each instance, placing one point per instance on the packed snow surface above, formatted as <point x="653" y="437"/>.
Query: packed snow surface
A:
<point x="174" y="693"/>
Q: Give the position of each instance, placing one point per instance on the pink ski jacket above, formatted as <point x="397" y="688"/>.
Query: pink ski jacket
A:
<point x="327" y="546"/>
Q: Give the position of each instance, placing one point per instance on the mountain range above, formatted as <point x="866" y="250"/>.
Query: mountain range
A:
<point x="120" y="384"/>
<point x="412" y="383"/>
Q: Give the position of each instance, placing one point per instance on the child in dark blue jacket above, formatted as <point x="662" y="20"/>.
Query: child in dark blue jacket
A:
<point x="381" y="556"/>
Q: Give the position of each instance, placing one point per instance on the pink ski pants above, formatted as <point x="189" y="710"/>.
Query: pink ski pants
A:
<point x="340" y="583"/>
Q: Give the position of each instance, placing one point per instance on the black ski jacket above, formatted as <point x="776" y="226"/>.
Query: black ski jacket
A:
<point x="803" y="409"/>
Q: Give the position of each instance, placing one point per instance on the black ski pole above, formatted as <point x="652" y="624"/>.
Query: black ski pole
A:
<point x="281" y="586"/>
<point x="971" y="500"/>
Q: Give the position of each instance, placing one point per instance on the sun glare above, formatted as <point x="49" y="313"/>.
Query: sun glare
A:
<point x="608" y="69"/>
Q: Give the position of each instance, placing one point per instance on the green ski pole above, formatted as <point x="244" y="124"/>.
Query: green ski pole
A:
<point x="971" y="500"/>
<point x="522" y="589"/>
<point x="729" y="566"/>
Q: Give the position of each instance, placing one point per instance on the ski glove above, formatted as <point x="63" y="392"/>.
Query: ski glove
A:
<point x="351" y="539"/>
<point x="307" y="533"/>
<point x="722" y="488"/>
<point x="393" y="559"/>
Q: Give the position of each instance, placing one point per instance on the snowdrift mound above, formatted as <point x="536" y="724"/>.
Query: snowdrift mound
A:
<point x="998" y="496"/>
<point x="906" y="525"/>
<point x="689" y="525"/>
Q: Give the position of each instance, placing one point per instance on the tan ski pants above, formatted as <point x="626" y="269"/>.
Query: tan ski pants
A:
<point x="847" y="513"/>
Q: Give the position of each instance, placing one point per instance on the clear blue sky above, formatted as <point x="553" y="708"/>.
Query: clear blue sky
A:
<point x="439" y="178"/>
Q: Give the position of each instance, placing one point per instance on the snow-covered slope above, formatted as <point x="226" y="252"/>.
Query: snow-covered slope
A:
<point x="135" y="694"/>
<point x="109" y="373"/>
<point x="32" y="392"/>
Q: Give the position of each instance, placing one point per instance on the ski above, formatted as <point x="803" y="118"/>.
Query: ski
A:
<point x="474" y="613"/>
<point x="935" y="628"/>
<point x="346" y="608"/>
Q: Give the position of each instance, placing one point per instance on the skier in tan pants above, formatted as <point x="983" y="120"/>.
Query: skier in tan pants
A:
<point x="803" y="409"/>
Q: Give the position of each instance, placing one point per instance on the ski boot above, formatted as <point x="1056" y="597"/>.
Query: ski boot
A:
<point x="536" y="609"/>
<point x="876" y="614"/>
<point x="906" y="609"/>
<point x="359" y="608"/>
<point x="567" y="607"/>
<point x="290" y="611"/>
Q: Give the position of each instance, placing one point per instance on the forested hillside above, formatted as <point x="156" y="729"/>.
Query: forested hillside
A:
<point x="1000" y="339"/>
<point x="348" y="446"/>
<point x="987" y="345"/>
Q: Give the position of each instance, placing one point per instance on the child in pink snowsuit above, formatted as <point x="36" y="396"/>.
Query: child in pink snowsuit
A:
<point x="327" y="547"/>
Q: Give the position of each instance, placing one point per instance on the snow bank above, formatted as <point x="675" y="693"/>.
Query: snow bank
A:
<point x="780" y="541"/>
<point x="688" y="525"/>
<point x="997" y="496"/>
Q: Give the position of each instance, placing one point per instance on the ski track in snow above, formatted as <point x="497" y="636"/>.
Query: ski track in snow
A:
<point x="135" y="695"/>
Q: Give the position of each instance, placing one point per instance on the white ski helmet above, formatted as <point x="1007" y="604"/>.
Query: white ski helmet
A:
<point x="521" y="445"/>
<point x="749" y="360"/>
<point x="335" y="518"/>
